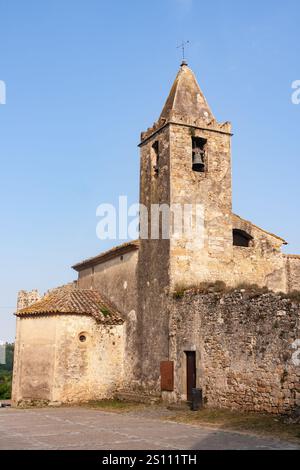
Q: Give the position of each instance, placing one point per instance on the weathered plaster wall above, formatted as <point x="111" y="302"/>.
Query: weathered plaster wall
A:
<point x="35" y="360"/>
<point x="245" y="347"/>
<point x="116" y="279"/>
<point x="92" y="369"/>
<point x="54" y="365"/>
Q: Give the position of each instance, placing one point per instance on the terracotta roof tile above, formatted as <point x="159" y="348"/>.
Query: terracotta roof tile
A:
<point x="75" y="301"/>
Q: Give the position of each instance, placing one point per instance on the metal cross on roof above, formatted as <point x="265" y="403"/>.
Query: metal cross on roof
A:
<point x="182" y="46"/>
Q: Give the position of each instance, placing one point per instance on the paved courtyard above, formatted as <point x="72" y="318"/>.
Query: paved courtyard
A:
<point x="81" y="428"/>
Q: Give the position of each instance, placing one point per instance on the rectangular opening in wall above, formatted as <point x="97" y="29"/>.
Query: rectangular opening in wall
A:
<point x="199" y="154"/>
<point x="241" y="238"/>
<point x="190" y="373"/>
<point x="155" y="159"/>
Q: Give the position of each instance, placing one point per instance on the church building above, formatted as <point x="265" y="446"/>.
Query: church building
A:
<point x="154" y="318"/>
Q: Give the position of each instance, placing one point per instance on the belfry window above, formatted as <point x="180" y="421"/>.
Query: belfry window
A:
<point x="199" y="154"/>
<point x="241" y="238"/>
<point x="155" y="150"/>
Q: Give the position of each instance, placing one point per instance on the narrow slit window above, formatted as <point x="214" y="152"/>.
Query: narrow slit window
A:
<point x="199" y="154"/>
<point x="155" y="150"/>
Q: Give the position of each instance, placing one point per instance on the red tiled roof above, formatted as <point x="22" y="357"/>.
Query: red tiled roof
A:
<point x="77" y="302"/>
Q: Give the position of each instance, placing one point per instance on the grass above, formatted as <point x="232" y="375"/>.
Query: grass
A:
<point x="105" y="311"/>
<point x="252" y="423"/>
<point x="114" y="405"/>
<point x="220" y="287"/>
<point x="294" y="296"/>
<point x="253" y="288"/>
<point x="201" y="288"/>
<point x="179" y="291"/>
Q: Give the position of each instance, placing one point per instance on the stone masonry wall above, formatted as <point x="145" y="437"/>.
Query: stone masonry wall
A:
<point x="246" y="349"/>
<point x="202" y="256"/>
<point x="210" y="255"/>
<point x="293" y="272"/>
<point x="153" y="266"/>
<point x="261" y="263"/>
<point x="27" y="298"/>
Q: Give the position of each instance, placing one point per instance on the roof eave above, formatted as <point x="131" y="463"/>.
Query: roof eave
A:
<point x="106" y="256"/>
<point x="284" y="242"/>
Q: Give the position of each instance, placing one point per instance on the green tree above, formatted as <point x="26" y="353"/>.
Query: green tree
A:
<point x="6" y="373"/>
<point x="5" y="385"/>
<point x="9" y="358"/>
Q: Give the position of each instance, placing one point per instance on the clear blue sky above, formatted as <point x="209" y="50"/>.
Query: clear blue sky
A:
<point x="85" y="77"/>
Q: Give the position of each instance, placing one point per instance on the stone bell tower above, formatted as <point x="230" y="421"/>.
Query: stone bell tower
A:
<point x="185" y="161"/>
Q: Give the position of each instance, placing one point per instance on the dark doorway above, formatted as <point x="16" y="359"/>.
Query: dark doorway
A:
<point x="190" y="373"/>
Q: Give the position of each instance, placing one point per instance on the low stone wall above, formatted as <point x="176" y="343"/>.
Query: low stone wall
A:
<point x="26" y="298"/>
<point x="246" y="347"/>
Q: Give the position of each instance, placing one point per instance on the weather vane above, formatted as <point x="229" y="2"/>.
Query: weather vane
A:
<point x="183" y="46"/>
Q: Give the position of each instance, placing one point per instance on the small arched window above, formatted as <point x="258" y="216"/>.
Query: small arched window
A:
<point x="199" y="154"/>
<point x="241" y="238"/>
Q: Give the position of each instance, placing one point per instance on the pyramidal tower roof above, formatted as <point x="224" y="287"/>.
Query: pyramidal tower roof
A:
<point x="186" y="105"/>
<point x="186" y="97"/>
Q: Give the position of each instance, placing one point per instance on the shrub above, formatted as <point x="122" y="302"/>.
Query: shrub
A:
<point x="202" y="288"/>
<point x="5" y="385"/>
<point x="179" y="291"/>
<point x="294" y="296"/>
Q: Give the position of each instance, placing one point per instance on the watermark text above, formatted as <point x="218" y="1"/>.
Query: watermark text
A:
<point x="2" y="92"/>
<point x="155" y="222"/>
<point x="296" y="93"/>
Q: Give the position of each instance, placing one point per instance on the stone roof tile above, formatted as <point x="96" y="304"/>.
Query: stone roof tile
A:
<point x="186" y="98"/>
